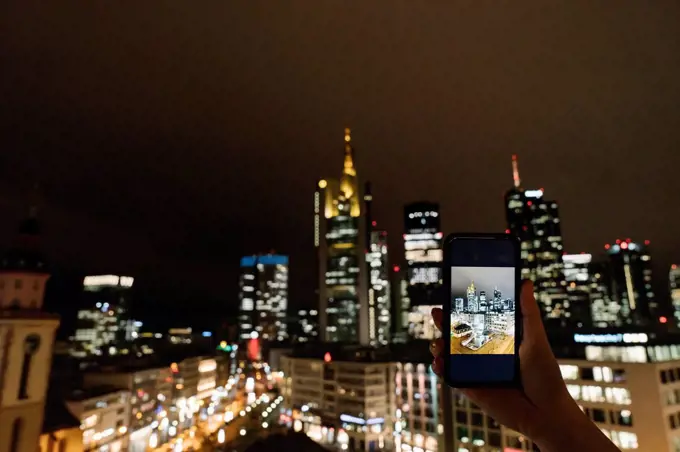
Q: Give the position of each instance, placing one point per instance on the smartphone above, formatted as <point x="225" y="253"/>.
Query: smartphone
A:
<point x="482" y="324"/>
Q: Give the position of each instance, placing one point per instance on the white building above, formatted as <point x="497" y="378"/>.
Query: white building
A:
<point x="104" y="414"/>
<point x="26" y="342"/>
<point x="264" y="297"/>
<point x="150" y="398"/>
<point x="340" y="397"/>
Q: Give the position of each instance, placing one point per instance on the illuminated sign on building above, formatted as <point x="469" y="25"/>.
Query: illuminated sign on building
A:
<point x="533" y="193"/>
<point x="619" y="338"/>
<point x="108" y="280"/>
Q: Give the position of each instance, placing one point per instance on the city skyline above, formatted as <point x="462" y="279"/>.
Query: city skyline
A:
<point x="180" y="217"/>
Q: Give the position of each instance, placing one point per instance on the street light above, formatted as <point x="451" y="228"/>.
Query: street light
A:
<point x="220" y="436"/>
<point x="243" y="432"/>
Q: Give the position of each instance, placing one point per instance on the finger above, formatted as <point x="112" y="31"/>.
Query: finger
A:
<point x="438" y="366"/>
<point x="531" y="313"/>
<point x="436" y="347"/>
<point x="437" y="316"/>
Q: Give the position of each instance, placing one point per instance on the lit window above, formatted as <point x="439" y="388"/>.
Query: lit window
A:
<point x="569" y="372"/>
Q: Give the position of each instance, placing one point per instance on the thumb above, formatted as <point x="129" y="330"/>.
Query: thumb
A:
<point x="533" y="330"/>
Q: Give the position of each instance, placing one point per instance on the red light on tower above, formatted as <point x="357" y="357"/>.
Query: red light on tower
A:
<point x="507" y="231"/>
<point x="674" y="266"/>
<point x="628" y="240"/>
<point x="396" y="269"/>
<point x="647" y="242"/>
<point x="618" y="241"/>
<point x="327" y="357"/>
<point x="663" y="319"/>
<point x="529" y="203"/>
<point x="624" y="245"/>
<point x="374" y="223"/>
<point x="607" y="246"/>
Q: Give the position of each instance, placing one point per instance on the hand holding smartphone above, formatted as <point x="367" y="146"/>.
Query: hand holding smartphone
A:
<point x="482" y="322"/>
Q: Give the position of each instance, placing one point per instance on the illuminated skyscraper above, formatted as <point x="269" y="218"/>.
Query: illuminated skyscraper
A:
<point x="631" y="271"/>
<point x="423" y="253"/>
<point x="605" y="311"/>
<point x="536" y="222"/>
<point x="578" y="288"/>
<point x="104" y="326"/>
<point x="340" y="241"/>
<point x="674" y="282"/>
<point x="264" y="297"/>
<point x="379" y="309"/>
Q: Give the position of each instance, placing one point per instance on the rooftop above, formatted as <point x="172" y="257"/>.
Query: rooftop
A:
<point x="92" y="393"/>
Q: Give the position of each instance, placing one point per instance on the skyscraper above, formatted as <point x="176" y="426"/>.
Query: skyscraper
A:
<point x="104" y="325"/>
<point x="340" y="241"/>
<point x="379" y="312"/>
<point x="423" y="253"/>
<point x="27" y="338"/>
<point x="263" y="297"/>
<point x="536" y="222"/>
<point x="674" y="285"/>
<point x="631" y="272"/>
<point x="604" y="310"/>
<point x="578" y="288"/>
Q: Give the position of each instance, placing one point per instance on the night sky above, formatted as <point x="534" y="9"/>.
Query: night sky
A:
<point x="170" y="138"/>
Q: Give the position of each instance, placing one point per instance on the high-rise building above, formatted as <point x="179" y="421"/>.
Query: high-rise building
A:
<point x="340" y="243"/>
<point x="27" y="338"/>
<point x="423" y="253"/>
<point x="306" y="326"/>
<point x="578" y="287"/>
<point x="104" y="326"/>
<point x="264" y="297"/>
<point x="674" y="285"/>
<point x="605" y="312"/>
<point x="536" y="222"/>
<point x="379" y="312"/>
<point x="631" y="273"/>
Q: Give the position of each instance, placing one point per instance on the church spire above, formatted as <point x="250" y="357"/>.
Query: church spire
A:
<point x="515" y="171"/>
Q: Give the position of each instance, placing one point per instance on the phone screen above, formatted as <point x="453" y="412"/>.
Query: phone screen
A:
<point x="484" y="329"/>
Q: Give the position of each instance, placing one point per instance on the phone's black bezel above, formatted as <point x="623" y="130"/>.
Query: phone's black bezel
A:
<point x="516" y="382"/>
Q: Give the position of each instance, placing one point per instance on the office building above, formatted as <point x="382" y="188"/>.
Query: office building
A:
<point x="400" y="304"/>
<point x="578" y="279"/>
<point x="339" y="238"/>
<point x="379" y="297"/>
<point x="264" y="297"/>
<point x="104" y="414"/>
<point x="150" y="391"/>
<point x="605" y="311"/>
<point x="104" y="326"/>
<point x="305" y="327"/>
<point x="340" y="396"/>
<point x="536" y="222"/>
<point x="423" y="255"/>
<point x="674" y="285"/>
<point x="631" y="282"/>
<point x="27" y="338"/>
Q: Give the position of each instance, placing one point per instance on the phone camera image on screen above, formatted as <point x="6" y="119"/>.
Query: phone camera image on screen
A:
<point x="483" y="310"/>
<point x="482" y="313"/>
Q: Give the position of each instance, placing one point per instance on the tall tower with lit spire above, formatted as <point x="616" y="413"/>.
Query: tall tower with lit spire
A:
<point x="536" y="222"/>
<point x="26" y="339"/>
<point x="340" y="241"/>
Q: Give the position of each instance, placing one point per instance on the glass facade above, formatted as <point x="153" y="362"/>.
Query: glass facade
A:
<point x="536" y="222"/>
<point x="263" y="297"/>
<point x="631" y="284"/>
<point x="379" y="317"/>
<point x="423" y="254"/>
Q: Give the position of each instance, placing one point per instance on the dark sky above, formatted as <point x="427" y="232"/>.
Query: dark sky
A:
<point x="172" y="137"/>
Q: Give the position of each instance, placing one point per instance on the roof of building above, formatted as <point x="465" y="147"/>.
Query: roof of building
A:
<point x="417" y="351"/>
<point x="57" y="416"/>
<point x="81" y="394"/>
<point x="286" y="441"/>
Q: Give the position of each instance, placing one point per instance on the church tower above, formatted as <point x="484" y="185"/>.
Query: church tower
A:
<point x="26" y="340"/>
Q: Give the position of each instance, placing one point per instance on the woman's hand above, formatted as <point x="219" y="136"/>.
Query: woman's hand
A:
<point x="543" y="410"/>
